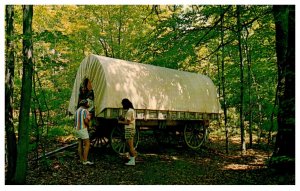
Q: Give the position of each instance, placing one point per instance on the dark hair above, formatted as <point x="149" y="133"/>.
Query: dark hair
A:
<point x="90" y="94"/>
<point x="127" y="104"/>
<point x="85" y="83"/>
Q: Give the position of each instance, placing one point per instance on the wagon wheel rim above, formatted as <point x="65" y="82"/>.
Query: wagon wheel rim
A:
<point x="194" y="135"/>
<point x="136" y="137"/>
<point x="117" y="139"/>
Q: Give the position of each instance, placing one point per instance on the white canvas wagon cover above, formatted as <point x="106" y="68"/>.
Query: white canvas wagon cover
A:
<point x="148" y="87"/>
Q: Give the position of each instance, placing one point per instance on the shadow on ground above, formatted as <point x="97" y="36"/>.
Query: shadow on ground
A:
<point x="171" y="164"/>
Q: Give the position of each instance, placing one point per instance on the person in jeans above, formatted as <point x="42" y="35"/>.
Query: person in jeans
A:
<point x="129" y="122"/>
<point x="82" y="118"/>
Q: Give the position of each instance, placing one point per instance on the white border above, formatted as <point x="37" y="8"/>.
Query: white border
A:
<point x="144" y="188"/>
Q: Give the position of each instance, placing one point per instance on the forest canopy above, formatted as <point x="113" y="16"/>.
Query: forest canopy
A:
<point x="180" y="37"/>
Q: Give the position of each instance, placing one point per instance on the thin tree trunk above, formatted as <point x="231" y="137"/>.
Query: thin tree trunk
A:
<point x="111" y="36"/>
<point x="119" y="31"/>
<point x="255" y="86"/>
<point x="219" y="75"/>
<point x="24" y="125"/>
<point x="9" y="89"/>
<point x="223" y="84"/>
<point x="248" y="53"/>
<point x="243" y="143"/>
<point x="272" y="116"/>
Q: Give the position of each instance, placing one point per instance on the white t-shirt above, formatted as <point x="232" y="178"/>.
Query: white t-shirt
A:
<point x="130" y="116"/>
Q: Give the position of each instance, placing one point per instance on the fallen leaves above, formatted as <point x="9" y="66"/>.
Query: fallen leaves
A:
<point x="172" y="166"/>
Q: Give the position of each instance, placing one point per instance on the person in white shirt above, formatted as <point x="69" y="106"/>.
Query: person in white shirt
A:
<point x="129" y="123"/>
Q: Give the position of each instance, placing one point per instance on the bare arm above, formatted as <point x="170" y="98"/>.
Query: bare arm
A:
<point x="87" y="119"/>
<point x="125" y="122"/>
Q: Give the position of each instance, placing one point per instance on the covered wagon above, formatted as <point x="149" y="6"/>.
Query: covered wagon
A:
<point x="164" y="99"/>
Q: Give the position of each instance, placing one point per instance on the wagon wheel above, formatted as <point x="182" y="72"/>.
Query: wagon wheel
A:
<point x="194" y="135"/>
<point x="117" y="139"/>
<point x="98" y="139"/>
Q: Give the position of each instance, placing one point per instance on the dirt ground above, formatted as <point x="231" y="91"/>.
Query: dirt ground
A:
<point x="157" y="164"/>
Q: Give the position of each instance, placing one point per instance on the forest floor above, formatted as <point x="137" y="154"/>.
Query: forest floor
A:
<point x="162" y="165"/>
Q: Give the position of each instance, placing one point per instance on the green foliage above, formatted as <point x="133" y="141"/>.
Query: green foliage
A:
<point x="56" y="131"/>
<point x="282" y="163"/>
<point x="281" y="159"/>
<point x="46" y="163"/>
<point x="180" y="37"/>
<point x="32" y="147"/>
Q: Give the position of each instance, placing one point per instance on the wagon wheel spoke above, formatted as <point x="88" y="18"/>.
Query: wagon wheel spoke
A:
<point x="98" y="139"/>
<point x="118" y="132"/>
<point x="103" y="141"/>
<point x="119" y="147"/>
<point x="192" y="139"/>
<point x="94" y="142"/>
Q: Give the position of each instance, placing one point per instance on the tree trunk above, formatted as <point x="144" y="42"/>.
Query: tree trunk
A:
<point x="9" y="89"/>
<point x="285" y="49"/>
<point x="243" y="143"/>
<point x="24" y="126"/>
<point x="259" y="129"/>
<point x="248" y="53"/>
<point x="223" y="84"/>
<point x="119" y="31"/>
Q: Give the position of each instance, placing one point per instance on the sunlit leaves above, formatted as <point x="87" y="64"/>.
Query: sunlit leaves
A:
<point x="180" y="37"/>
